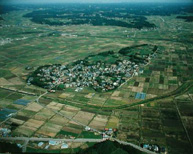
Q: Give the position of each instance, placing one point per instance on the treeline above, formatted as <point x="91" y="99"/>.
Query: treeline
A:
<point x="125" y="51"/>
<point x="137" y="57"/>
<point x="186" y="18"/>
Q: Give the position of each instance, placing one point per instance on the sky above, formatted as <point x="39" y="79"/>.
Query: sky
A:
<point x="91" y="1"/>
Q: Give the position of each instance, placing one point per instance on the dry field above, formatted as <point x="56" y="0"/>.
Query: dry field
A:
<point x="57" y="119"/>
<point x="65" y="95"/>
<point x="55" y="106"/>
<point x="44" y="114"/>
<point x="17" y="121"/>
<point x="4" y="82"/>
<point x="33" y="107"/>
<point x="83" y="117"/>
<point x="99" y="122"/>
<point x="49" y="129"/>
<point x="113" y="122"/>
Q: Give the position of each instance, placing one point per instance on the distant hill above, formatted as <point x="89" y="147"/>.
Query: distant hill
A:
<point x="8" y="147"/>
<point x="186" y="18"/>
<point x="110" y="147"/>
<point x="7" y="8"/>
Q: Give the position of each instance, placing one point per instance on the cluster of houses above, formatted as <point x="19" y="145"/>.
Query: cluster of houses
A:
<point x="44" y="145"/>
<point x="100" y="76"/>
<point x="154" y="147"/>
<point x="151" y="147"/>
<point x="106" y="133"/>
<point x="5" y="41"/>
<point x="4" y="132"/>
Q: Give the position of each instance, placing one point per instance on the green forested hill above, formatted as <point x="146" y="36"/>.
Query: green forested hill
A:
<point x="110" y="147"/>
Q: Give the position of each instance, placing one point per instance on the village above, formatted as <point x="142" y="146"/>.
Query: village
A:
<point x="99" y="76"/>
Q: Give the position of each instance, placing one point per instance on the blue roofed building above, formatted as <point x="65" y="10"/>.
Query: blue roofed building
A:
<point x="40" y="144"/>
<point x="140" y="95"/>
<point x="64" y="146"/>
<point x="52" y="142"/>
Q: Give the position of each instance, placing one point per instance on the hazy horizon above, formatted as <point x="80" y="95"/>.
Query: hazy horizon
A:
<point x="93" y="1"/>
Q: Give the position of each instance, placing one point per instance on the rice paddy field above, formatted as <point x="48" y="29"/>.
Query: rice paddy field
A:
<point x="154" y="107"/>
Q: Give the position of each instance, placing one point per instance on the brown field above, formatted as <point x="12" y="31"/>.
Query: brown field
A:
<point x="64" y="95"/>
<point x="59" y="120"/>
<point x="44" y="114"/>
<point x="155" y="73"/>
<point x="137" y="89"/>
<point x="117" y="98"/>
<point x="55" y="106"/>
<point x="172" y="78"/>
<point x="35" y="88"/>
<point x="122" y="136"/>
<point x="5" y="102"/>
<point x="26" y="113"/>
<point x="140" y="79"/>
<point x="24" y="130"/>
<point x="115" y="94"/>
<point x="141" y="84"/>
<point x="72" y="130"/>
<point x="97" y="99"/>
<point x="84" y="146"/>
<point x="113" y="122"/>
<point x="99" y="122"/>
<point x="16" y="81"/>
<point x="34" y="107"/>
<point x="76" y="145"/>
<point x="148" y="96"/>
<point x="68" y="114"/>
<point x="74" y="124"/>
<point x="90" y="95"/>
<point x="71" y="108"/>
<point x="17" y="106"/>
<point x="17" y="70"/>
<point x="17" y="121"/>
<point x="32" y="123"/>
<point x="49" y="129"/>
<point x="83" y="117"/>
<point x="4" y="82"/>
<point x="183" y="97"/>
<point x="163" y="86"/>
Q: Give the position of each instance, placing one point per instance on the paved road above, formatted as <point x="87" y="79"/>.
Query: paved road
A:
<point x="37" y="100"/>
<point x="135" y="146"/>
<point x="26" y="140"/>
<point x="48" y="139"/>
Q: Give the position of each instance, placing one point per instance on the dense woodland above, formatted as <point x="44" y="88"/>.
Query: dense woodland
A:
<point x="109" y="147"/>
<point x="88" y="17"/>
<point x="122" y="15"/>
